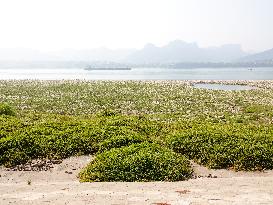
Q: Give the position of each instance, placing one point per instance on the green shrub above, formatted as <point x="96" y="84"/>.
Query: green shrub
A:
<point x="60" y="137"/>
<point x="27" y="146"/>
<point x="48" y="140"/>
<point x="107" y="113"/>
<point x="6" y="109"/>
<point x="234" y="146"/>
<point x="138" y="162"/>
<point x="120" y="141"/>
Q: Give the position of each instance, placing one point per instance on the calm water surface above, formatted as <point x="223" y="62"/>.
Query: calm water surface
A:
<point x="141" y="74"/>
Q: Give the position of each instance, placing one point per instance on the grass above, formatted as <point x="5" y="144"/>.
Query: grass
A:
<point x="58" y="136"/>
<point x="128" y="97"/>
<point x="138" y="162"/>
<point x="216" y="145"/>
<point x="6" y="109"/>
<point x="58" y="119"/>
<point x="121" y="141"/>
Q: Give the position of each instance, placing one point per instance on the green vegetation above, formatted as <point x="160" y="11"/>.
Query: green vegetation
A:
<point x="236" y="146"/>
<point x="139" y="162"/>
<point x="6" y="109"/>
<point x="58" y="119"/>
<point x="120" y="141"/>
<point x="57" y="136"/>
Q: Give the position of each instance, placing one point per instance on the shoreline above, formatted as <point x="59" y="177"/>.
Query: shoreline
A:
<point x="59" y="187"/>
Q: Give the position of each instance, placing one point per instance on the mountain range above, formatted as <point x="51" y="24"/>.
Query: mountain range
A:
<point x="179" y="51"/>
<point x="174" y="52"/>
<point x="258" y="57"/>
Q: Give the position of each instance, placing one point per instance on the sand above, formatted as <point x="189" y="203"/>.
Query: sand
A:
<point x="60" y="186"/>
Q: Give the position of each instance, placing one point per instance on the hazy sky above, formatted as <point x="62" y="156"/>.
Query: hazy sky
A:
<point x="80" y="24"/>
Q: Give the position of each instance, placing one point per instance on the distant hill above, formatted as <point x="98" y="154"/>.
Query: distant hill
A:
<point x="180" y="51"/>
<point x="263" y="56"/>
<point x="174" y="52"/>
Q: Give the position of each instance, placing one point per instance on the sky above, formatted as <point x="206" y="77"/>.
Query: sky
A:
<point x="51" y="25"/>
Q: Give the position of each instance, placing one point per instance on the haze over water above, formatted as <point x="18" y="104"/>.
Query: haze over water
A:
<point x="141" y="33"/>
<point x="140" y="74"/>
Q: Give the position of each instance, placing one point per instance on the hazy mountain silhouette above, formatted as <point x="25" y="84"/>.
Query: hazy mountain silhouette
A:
<point x="180" y="51"/>
<point x="262" y="56"/>
<point x="175" y="51"/>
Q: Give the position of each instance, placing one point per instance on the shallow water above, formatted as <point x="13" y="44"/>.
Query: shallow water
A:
<point x="222" y="86"/>
<point x="140" y="74"/>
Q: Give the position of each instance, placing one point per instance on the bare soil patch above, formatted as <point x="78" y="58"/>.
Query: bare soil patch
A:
<point x="59" y="185"/>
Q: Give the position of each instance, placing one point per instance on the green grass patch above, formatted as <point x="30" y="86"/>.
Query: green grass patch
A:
<point x="58" y="119"/>
<point x="57" y="136"/>
<point x="121" y="141"/>
<point x="6" y="109"/>
<point x="138" y="162"/>
<point x="237" y="146"/>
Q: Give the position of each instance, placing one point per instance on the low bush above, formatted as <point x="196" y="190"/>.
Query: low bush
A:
<point x="138" y="162"/>
<point x="6" y="109"/>
<point x="120" y="141"/>
<point x="241" y="147"/>
<point x="40" y="142"/>
<point x="62" y="136"/>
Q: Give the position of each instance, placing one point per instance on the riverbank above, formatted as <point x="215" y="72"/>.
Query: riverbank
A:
<point x="55" y="120"/>
<point x="61" y="186"/>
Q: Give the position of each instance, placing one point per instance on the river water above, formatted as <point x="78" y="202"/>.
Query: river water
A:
<point x="140" y="74"/>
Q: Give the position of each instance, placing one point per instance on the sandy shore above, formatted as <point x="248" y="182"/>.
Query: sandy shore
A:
<point x="60" y="186"/>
